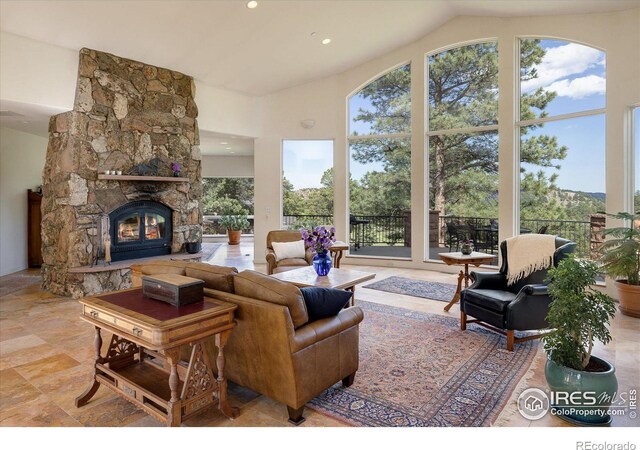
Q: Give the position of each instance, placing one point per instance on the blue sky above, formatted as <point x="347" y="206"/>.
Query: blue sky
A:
<point x="584" y="167"/>
<point x="575" y="72"/>
<point x="304" y="162"/>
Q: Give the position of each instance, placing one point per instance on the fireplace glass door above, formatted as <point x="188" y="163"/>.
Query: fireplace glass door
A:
<point x="129" y="228"/>
<point x="140" y="229"/>
<point x="154" y="226"/>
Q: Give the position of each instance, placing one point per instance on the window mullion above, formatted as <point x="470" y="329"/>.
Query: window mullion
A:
<point x="466" y="130"/>
<point x="365" y="137"/>
<point x="590" y="112"/>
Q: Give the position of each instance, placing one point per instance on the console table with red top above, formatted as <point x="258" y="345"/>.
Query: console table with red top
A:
<point x="143" y="364"/>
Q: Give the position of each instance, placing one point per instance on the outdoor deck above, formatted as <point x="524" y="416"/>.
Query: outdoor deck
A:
<point x="390" y="236"/>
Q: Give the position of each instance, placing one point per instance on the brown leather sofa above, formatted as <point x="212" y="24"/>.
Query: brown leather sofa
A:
<point x="275" y="266"/>
<point x="274" y="349"/>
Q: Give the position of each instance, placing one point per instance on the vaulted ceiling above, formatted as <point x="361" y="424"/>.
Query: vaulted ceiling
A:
<point x="262" y="50"/>
<point x="253" y="51"/>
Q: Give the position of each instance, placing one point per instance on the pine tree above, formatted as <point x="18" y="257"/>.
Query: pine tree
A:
<point x="463" y="169"/>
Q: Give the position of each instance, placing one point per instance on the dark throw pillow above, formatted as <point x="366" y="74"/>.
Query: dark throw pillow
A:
<point x="324" y="302"/>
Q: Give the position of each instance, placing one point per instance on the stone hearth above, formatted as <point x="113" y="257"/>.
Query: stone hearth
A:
<point x="125" y="114"/>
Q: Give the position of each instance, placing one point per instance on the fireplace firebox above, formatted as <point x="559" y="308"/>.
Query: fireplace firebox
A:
<point x="140" y="229"/>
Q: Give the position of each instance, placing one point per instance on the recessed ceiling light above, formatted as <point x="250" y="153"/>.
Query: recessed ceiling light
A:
<point x="326" y="41"/>
<point x="228" y="148"/>
<point x="252" y="4"/>
<point x="224" y="143"/>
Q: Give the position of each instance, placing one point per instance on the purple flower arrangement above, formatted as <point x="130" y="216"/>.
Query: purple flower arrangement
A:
<point x="319" y="239"/>
<point x="176" y="167"/>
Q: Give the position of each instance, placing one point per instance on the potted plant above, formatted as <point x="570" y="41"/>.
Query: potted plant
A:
<point x="621" y="261"/>
<point x="579" y="316"/>
<point x="234" y="225"/>
<point x="467" y="247"/>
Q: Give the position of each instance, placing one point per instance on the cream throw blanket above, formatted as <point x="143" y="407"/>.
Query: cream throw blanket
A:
<point x="528" y="253"/>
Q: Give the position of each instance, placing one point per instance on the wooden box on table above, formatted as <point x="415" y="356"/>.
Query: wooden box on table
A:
<point x="176" y="290"/>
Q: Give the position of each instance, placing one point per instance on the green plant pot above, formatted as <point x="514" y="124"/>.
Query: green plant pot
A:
<point x="601" y="385"/>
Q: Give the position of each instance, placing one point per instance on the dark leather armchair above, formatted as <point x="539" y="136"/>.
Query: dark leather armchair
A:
<point x="522" y="306"/>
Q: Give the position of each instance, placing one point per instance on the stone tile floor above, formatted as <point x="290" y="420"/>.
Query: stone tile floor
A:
<point x="46" y="358"/>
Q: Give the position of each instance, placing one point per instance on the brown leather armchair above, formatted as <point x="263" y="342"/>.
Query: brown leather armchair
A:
<point x="276" y="351"/>
<point x="275" y="266"/>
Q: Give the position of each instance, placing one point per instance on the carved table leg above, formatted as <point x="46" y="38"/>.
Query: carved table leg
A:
<point x="200" y="387"/>
<point x="466" y="276"/>
<point x="175" y="405"/>
<point x="338" y="258"/>
<point x="221" y="341"/>
<point x="456" y="296"/>
<point x="84" y="398"/>
<point x="353" y="295"/>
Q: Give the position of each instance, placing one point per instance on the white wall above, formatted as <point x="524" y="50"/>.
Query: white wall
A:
<point x="22" y="158"/>
<point x="227" y="166"/>
<point x="227" y="112"/>
<point x="325" y="101"/>
<point x="39" y="73"/>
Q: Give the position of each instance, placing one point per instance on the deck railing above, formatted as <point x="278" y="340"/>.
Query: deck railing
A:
<point x="297" y="221"/>
<point x="480" y="229"/>
<point x="376" y="230"/>
<point x="366" y="230"/>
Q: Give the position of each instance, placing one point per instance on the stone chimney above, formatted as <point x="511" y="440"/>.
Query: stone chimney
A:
<point x="126" y="114"/>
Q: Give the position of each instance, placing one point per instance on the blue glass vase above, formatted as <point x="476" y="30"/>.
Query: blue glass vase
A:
<point x="322" y="263"/>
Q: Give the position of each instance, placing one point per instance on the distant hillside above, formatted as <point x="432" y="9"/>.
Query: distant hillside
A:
<point x="566" y="194"/>
<point x="580" y="205"/>
<point x="597" y="195"/>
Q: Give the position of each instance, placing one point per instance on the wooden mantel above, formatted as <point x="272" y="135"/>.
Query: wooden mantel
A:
<point x="142" y="178"/>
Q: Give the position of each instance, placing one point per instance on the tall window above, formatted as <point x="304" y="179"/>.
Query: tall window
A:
<point x="307" y="183"/>
<point x="635" y="139"/>
<point x="562" y="139"/>
<point x="380" y="166"/>
<point x="226" y="196"/>
<point x="463" y="148"/>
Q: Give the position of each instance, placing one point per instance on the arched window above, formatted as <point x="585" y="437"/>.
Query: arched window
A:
<point x="635" y="143"/>
<point x="562" y="140"/>
<point x="380" y="166"/>
<point x="462" y="133"/>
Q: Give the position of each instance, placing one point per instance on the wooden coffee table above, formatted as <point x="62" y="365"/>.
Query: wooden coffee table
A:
<point x="143" y="364"/>
<point x="475" y="259"/>
<point x="337" y="278"/>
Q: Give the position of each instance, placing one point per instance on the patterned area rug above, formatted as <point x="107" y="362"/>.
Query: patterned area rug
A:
<point x="416" y="288"/>
<point x="420" y="370"/>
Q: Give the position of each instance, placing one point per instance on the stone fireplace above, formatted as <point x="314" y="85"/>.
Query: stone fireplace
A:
<point x="132" y="118"/>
